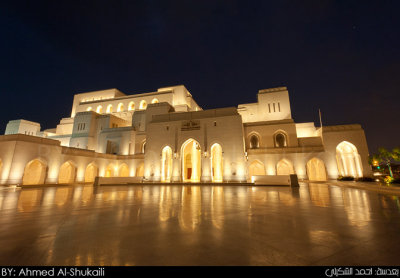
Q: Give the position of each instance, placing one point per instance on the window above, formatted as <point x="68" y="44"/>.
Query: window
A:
<point x="215" y="123"/>
<point x="269" y="108"/>
<point x="120" y="107"/>
<point x="109" y="108"/>
<point x="254" y="142"/>
<point x="143" y="105"/>
<point x="280" y="140"/>
<point x="131" y="106"/>
<point x="279" y="107"/>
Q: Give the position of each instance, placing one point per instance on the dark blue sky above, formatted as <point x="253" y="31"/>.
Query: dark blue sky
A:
<point x="340" y="56"/>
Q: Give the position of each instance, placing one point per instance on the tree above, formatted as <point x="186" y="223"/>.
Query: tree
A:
<point x="385" y="156"/>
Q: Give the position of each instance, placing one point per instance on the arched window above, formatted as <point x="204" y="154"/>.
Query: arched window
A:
<point x="109" y="108"/>
<point x="143" y="105"/>
<point x="348" y="160"/>
<point x="143" y="146"/>
<point x="99" y="109"/>
<point x="154" y="100"/>
<point x="89" y="108"/>
<point x="280" y="140"/>
<point x="131" y="106"/>
<point x="120" y="107"/>
<point x="166" y="164"/>
<point x="216" y="163"/>
<point x="254" y="142"/>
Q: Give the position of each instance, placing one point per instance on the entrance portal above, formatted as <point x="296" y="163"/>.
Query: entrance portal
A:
<point x="191" y="161"/>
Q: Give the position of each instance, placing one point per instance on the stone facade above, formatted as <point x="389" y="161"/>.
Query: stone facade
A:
<point x="165" y="136"/>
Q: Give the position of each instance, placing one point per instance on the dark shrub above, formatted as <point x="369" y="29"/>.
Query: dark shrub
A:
<point x="365" y="179"/>
<point x="345" y="178"/>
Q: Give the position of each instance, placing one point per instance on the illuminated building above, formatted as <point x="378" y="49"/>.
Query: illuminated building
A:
<point x="165" y="136"/>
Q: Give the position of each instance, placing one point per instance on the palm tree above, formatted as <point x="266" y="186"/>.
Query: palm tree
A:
<point x="385" y="156"/>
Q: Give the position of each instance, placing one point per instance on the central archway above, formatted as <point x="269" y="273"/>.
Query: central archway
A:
<point x="191" y="161"/>
<point x="166" y="164"/>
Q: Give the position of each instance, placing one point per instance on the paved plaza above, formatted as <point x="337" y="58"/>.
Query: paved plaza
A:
<point x="315" y="224"/>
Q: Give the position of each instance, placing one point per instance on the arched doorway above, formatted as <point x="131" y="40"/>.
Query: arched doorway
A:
<point x="140" y="170"/>
<point x="348" y="160"/>
<point x="191" y="161"/>
<point x="67" y="173"/>
<point x="91" y="172"/>
<point x="109" y="171"/>
<point x="166" y="164"/>
<point x="35" y="172"/>
<point x="284" y="167"/>
<point x="316" y="170"/>
<point x="216" y="163"/>
<point x="123" y="170"/>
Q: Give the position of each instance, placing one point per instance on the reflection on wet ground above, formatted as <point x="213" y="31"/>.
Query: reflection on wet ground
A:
<point x="316" y="224"/>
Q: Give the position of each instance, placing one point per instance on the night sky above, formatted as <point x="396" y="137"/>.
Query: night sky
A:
<point x="340" y="56"/>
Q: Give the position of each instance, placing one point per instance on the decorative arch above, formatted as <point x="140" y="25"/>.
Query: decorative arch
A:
<point x="191" y="161"/>
<point x="140" y="170"/>
<point x="35" y="172"/>
<point x="120" y="107"/>
<point x="256" y="168"/>
<point x="109" y="172"/>
<point x="67" y="172"/>
<point x="143" y="147"/>
<point x="216" y="163"/>
<point x="280" y="139"/>
<point x="131" y="106"/>
<point x="109" y="109"/>
<point x="123" y="170"/>
<point x="155" y="100"/>
<point x="91" y="172"/>
<point x="143" y="105"/>
<point x="316" y="170"/>
<point x="254" y="141"/>
<point x="284" y="167"/>
<point x="348" y="160"/>
<point x="99" y="109"/>
<point x="166" y="164"/>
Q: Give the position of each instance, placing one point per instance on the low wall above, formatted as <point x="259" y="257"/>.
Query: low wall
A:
<point x="117" y="180"/>
<point x="290" y="180"/>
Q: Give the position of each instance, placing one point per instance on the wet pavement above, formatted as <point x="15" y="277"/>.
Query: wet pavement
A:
<point x="315" y="224"/>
